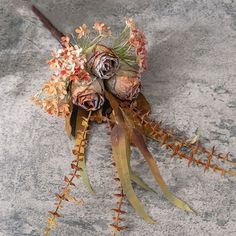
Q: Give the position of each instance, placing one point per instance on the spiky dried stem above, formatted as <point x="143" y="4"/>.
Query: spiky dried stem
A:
<point x="65" y="195"/>
<point x="154" y="130"/>
<point x="116" y="227"/>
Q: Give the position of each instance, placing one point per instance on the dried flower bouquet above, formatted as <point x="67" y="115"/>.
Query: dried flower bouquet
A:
<point x="95" y="82"/>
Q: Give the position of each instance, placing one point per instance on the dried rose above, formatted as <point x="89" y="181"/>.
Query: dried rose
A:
<point x="90" y="97"/>
<point x="103" y="63"/>
<point x="125" y="87"/>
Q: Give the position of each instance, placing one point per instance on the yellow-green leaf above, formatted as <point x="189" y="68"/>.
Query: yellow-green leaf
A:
<point x="121" y="153"/>
<point x="138" y="141"/>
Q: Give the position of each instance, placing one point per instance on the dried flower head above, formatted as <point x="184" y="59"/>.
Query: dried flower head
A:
<point x="102" y="29"/>
<point x="124" y="87"/>
<point x="89" y="97"/>
<point x="130" y="23"/>
<point x="103" y="63"/>
<point x="82" y="31"/>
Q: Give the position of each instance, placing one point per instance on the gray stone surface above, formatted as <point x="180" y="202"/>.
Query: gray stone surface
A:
<point x="191" y="83"/>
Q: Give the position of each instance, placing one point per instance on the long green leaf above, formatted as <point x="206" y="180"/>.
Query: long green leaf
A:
<point x="138" y="140"/>
<point x="139" y="181"/>
<point x="121" y="153"/>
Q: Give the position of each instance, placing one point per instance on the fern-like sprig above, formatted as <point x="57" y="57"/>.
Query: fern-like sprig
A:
<point x="181" y="148"/>
<point x="78" y="151"/>
<point x="117" y="219"/>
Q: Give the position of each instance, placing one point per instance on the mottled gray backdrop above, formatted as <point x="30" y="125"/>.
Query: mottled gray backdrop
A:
<point x="191" y="83"/>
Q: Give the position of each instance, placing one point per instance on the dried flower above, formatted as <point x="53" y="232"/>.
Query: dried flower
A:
<point x="125" y="87"/>
<point x="138" y="40"/>
<point x="130" y="23"/>
<point x="65" y="41"/>
<point x="82" y="31"/>
<point x="89" y="97"/>
<point x="103" y="63"/>
<point x="102" y="29"/>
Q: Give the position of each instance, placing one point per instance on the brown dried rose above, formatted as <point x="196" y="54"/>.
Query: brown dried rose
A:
<point x="90" y="97"/>
<point x="125" y="87"/>
<point x="103" y="63"/>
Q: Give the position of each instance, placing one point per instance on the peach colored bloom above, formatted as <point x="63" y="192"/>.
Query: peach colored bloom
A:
<point x="50" y="88"/>
<point x="63" y="110"/>
<point x="65" y="41"/>
<point x="138" y="40"/>
<point x="130" y="23"/>
<point x="102" y="29"/>
<point x="82" y="31"/>
<point x="50" y="106"/>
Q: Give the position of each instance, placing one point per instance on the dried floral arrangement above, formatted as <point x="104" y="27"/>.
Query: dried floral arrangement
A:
<point x="93" y="82"/>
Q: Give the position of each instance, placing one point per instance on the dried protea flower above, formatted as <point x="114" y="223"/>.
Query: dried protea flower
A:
<point x="103" y="63"/>
<point x="125" y="86"/>
<point x="90" y="97"/>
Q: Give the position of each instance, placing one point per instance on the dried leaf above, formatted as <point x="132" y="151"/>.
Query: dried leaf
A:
<point x="98" y="116"/>
<point x="139" y="142"/>
<point x="66" y="179"/>
<point x="119" y="211"/>
<point x="139" y="181"/>
<point x="55" y="214"/>
<point x="195" y="138"/>
<point x="68" y="127"/>
<point x="73" y="119"/>
<point x="119" y="195"/>
<point x="121" y="153"/>
<point x="134" y="177"/>
<point x="118" y="228"/>
<point x="142" y="104"/>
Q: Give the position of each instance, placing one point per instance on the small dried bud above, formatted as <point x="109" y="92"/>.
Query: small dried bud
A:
<point x="90" y="97"/>
<point x="103" y="63"/>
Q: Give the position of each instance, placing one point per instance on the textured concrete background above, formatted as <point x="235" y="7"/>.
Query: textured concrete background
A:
<point x="190" y="84"/>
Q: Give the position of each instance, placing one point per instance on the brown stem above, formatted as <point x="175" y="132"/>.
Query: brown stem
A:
<point x="48" y="24"/>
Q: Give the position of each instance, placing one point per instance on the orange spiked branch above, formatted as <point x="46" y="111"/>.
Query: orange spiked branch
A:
<point x="155" y="131"/>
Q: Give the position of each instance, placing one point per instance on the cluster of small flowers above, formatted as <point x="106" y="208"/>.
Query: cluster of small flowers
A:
<point x="52" y="105"/>
<point x="68" y="64"/>
<point x="102" y="30"/>
<point x="138" y="40"/>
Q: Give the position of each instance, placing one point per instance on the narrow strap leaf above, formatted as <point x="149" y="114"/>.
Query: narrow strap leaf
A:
<point x="121" y="152"/>
<point x="68" y="127"/>
<point x="142" y="104"/>
<point x="139" y="181"/>
<point x="73" y="119"/>
<point x="85" y="177"/>
<point x="139" y="142"/>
